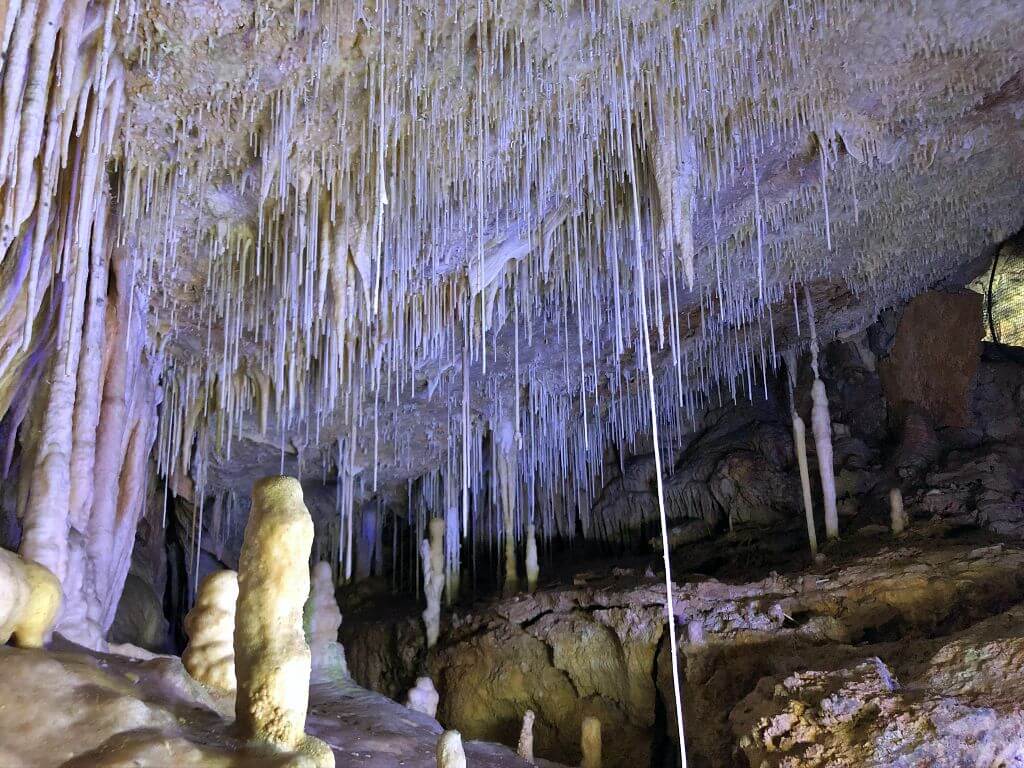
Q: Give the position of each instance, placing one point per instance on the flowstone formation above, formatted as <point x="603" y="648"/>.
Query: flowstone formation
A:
<point x="30" y="599"/>
<point x="210" y="626"/>
<point x="272" y="660"/>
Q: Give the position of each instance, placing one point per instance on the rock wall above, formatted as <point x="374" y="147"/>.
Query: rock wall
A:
<point x="939" y="333"/>
<point x="598" y="649"/>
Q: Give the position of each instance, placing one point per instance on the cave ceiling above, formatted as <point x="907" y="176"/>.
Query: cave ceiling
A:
<point x="369" y="230"/>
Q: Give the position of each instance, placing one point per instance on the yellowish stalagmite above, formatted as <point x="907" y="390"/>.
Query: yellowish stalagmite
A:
<point x="272" y="660"/>
<point x="897" y="514"/>
<point x="210" y="626"/>
<point x="590" y="743"/>
<point x="30" y="598"/>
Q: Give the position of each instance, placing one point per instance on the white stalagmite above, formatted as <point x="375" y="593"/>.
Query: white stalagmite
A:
<point x="532" y="566"/>
<point x="423" y="697"/>
<point x="800" y="448"/>
<point x="432" y="563"/>
<point x="525" y="746"/>
<point x="272" y="660"/>
<point x="210" y="626"/>
<point x="322" y="619"/>
<point x="508" y="477"/>
<point x="590" y="743"/>
<point x="897" y="514"/>
<point x="822" y="427"/>
<point x="450" y="753"/>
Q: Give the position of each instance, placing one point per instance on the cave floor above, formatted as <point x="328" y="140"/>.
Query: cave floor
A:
<point x="78" y="709"/>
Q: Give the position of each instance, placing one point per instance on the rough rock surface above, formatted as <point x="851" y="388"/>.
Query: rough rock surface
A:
<point x="959" y="706"/>
<point x="598" y="649"/>
<point x="937" y="332"/>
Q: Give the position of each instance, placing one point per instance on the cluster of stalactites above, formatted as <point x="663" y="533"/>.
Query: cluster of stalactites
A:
<point x="77" y="389"/>
<point x="405" y="229"/>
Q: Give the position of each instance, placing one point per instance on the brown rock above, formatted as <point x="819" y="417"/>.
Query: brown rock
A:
<point x="934" y="358"/>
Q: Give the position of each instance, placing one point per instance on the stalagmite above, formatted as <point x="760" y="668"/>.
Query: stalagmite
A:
<point x="322" y="619"/>
<point x="897" y="514"/>
<point x="272" y="660"/>
<point x="423" y="697"/>
<point x="508" y="476"/>
<point x="800" y="448"/>
<point x="450" y="753"/>
<point x="695" y="632"/>
<point x="532" y="567"/>
<point x="30" y="598"/>
<point x="525" y="746"/>
<point x="210" y="626"/>
<point x="432" y="563"/>
<point x="590" y="742"/>
<point x="822" y="427"/>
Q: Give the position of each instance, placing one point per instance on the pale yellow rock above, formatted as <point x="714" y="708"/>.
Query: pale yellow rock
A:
<point x="272" y="660"/>
<point x="210" y="626"/>
<point x="590" y="743"/>
<point x="30" y="598"/>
